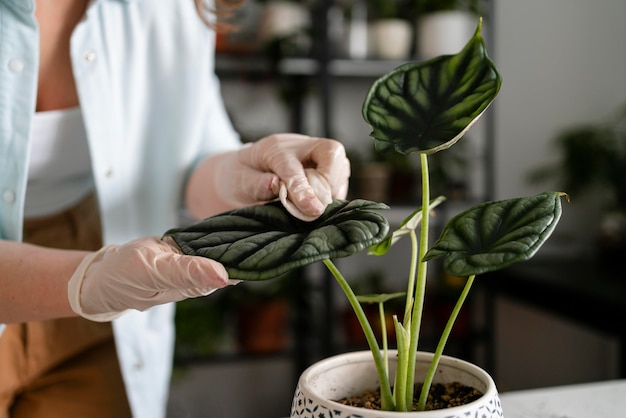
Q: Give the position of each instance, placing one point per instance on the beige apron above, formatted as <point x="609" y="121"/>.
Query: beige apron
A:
<point x="62" y="368"/>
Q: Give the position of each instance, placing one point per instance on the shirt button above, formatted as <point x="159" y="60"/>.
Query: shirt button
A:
<point x="89" y="56"/>
<point x="8" y="196"/>
<point x="108" y="173"/>
<point x="16" y="65"/>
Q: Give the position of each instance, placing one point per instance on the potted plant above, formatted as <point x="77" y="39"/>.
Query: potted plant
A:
<point x="419" y="108"/>
<point x="258" y="316"/>
<point x="262" y="315"/>
<point x="383" y="177"/>
<point x="390" y="29"/>
<point x="593" y="158"/>
<point x="200" y="329"/>
<point x="444" y="26"/>
<point x="284" y="28"/>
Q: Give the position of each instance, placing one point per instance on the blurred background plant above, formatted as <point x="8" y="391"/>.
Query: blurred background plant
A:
<point x="592" y="156"/>
<point x="250" y="318"/>
<point x="592" y="159"/>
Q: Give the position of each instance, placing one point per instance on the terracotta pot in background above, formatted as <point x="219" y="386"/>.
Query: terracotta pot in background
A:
<point x="263" y="327"/>
<point x="372" y="182"/>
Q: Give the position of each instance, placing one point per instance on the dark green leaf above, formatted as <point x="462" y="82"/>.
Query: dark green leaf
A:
<point x="494" y="235"/>
<point x="428" y="106"/>
<point x="264" y="241"/>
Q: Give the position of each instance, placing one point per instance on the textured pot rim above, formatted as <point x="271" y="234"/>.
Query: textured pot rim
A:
<point x="366" y="356"/>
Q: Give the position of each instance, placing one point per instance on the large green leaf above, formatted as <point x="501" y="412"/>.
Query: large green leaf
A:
<point x="428" y="106"/>
<point x="264" y="241"/>
<point x="494" y="235"/>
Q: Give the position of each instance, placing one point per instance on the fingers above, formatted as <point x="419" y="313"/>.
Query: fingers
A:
<point x="321" y="189"/>
<point x="289" y="155"/>
<point x="138" y="275"/>
<point x="299" y="191"/>
<point x="331" y="162"/>
<point x="254" y="173"/>
<point x="169" y="269"/>
<point x="193" y="276"/>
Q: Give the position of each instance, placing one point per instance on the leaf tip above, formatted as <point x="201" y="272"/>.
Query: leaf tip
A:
<point x="567" y="196"/>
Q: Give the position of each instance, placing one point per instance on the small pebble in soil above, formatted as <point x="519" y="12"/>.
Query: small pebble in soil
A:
<point x="440" y="396"/>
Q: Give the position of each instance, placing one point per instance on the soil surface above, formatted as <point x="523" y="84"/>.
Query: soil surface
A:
<point x="440" y="396"/>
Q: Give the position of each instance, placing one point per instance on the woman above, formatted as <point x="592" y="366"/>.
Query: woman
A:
<point x="111" y="121"/>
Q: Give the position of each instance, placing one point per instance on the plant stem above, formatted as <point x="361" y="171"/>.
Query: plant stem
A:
<point x="420" y="285"/>
<point x="385" y="388"/>
<point x="428" y="380"/>
<point x="383" y="333"/>
<point x="400" y="389"/>
<point x="403" y="403"/>
<point x="410" y="291"/>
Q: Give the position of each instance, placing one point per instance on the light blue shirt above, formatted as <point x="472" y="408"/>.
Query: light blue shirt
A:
<point x="152" y="109"/>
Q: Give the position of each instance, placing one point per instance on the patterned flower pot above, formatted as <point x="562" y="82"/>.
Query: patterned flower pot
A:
<point x="352" y="373"/>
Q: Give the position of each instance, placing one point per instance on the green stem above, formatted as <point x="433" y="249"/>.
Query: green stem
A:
<point x="428" y="380"/>
<point x="402" y="386"/>
<point x="383" y="332"/>
<point x="420" y="288"/>
<point x="410" y="291"/>
<point x="385" y="388"/>
<point x="399" y="390"/>
<point x="413" y="267"/>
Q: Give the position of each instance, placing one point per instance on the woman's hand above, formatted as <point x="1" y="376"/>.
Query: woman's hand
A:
<point x="139" y="275"/>
<point x="255" y="173"/>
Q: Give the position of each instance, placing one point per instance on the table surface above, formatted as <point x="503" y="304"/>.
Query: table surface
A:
<point x="589" y="400"/>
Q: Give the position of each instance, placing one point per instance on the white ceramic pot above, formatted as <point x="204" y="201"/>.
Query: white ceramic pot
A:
<point x="442" y="33"/>
<point x="391" y="39"/>
<point x="283" y="18"/>
<point x="352" y="373"/>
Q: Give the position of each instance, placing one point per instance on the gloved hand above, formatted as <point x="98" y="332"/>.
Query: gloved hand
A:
<point x="139" y="275"/>
<point x="254" y="174"/>
<point x="320" y="187"/>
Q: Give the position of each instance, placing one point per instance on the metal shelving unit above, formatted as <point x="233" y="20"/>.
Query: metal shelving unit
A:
<point x="325" y="72"/>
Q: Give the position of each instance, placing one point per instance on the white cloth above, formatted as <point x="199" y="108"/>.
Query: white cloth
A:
<point x="320" y="186"/>
<point x="59" y="172"/>
<point x="152" y="109"/>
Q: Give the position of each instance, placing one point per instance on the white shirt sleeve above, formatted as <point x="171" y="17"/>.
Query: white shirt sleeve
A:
<point x="2" y="326"/>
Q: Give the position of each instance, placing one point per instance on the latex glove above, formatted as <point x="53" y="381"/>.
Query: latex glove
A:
<point x="139" y="275"/>
<point x="254" y="174"/>
<point x="320" y="187"/>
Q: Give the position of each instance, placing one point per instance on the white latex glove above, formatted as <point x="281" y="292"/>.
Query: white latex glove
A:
<point x="320" y="187"/>
<point x="254" y="174"/>
<point x="139" y="275"/>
